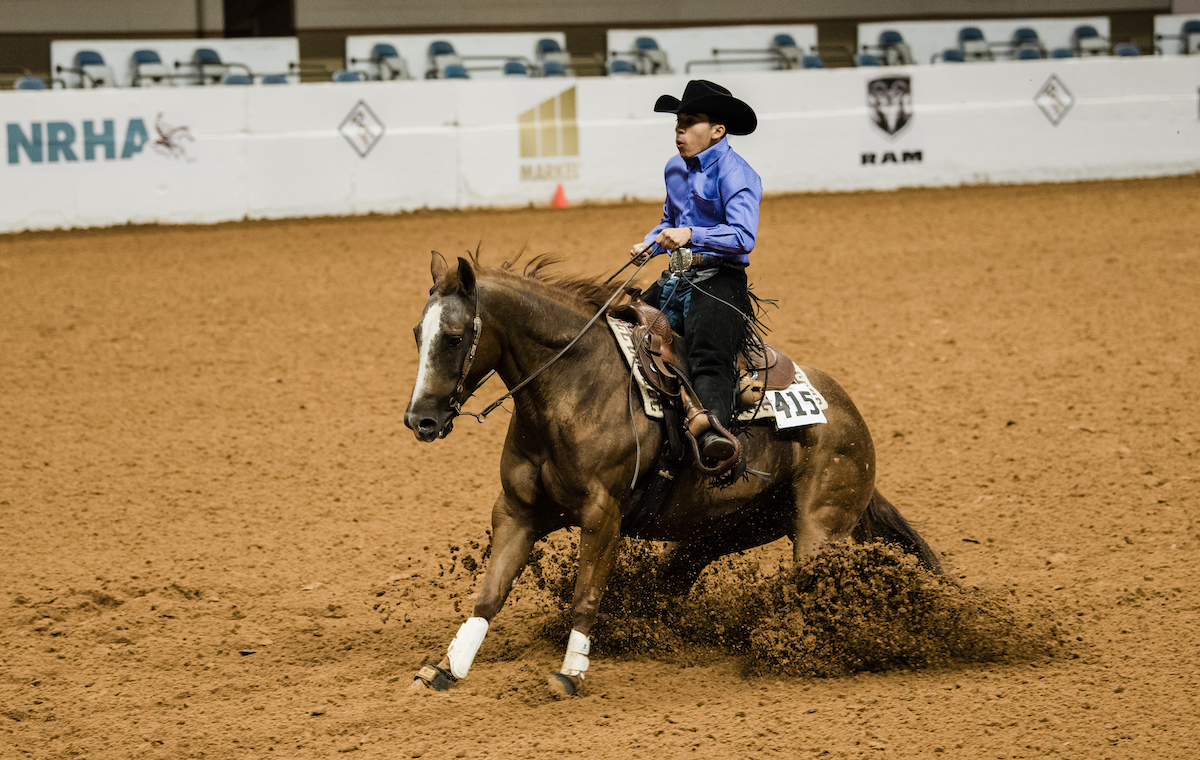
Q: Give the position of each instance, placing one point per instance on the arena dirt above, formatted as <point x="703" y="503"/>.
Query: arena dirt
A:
<point x="220" y="541"/>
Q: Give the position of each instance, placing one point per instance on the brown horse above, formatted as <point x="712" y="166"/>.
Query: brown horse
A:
<point x="577" y="442"/>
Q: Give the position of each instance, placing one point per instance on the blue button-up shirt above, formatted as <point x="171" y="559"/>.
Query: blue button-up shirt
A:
<point x="717" y="194"/>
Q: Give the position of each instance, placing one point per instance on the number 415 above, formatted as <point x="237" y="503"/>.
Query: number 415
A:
<point x="795" y="408"/>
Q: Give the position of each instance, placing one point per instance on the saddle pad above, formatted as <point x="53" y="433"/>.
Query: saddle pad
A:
<point x="623" y="331"/>
<point x="766" y="411"/>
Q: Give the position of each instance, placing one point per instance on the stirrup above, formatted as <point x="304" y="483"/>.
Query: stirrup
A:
<point x="718" y="468"/>
<point x="434" y="677"/>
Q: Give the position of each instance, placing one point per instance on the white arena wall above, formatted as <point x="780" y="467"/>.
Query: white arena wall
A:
<point x="87" y="158"/>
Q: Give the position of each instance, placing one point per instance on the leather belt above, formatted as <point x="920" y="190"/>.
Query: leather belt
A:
<point x="682" y="259"/>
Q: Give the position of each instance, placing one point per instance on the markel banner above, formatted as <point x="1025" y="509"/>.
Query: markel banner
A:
<point x="84" y="158"/>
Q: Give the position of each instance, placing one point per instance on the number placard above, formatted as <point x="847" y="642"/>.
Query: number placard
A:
<point x="796" y="406"/>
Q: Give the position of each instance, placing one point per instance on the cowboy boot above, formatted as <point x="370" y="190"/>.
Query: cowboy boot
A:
<point x="713" y="446"/>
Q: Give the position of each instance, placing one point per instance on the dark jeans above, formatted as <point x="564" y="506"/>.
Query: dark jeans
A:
<point x="714" y="331"/>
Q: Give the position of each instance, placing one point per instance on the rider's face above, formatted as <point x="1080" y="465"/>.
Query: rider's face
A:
<point x="694" y="134"/>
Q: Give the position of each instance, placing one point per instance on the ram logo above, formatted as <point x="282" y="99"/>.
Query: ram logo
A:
<point x="889" y="104"/>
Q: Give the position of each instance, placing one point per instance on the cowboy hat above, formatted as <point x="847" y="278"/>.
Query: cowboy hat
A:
<point x="703" y="96"/>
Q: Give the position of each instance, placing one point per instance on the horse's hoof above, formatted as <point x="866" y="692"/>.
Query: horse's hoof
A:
<point x="563" y="685"/>
<point x="432" y="677"/>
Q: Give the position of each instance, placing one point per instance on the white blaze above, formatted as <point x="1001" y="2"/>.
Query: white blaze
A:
<point x="431" y="328"/>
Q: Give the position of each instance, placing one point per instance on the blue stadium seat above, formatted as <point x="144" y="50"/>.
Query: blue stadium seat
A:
<point x="1062" y="53"/>
<point x="237" y="79"/>
<point x="1024" y="35"/>
<point x="1191" y="37"/>
<point x="1126" y="50"/>
<point x="893" y="50"/>
<point x="88" y="58"/>
<point x="383" y="50"/>
<point x="456" y="71"/>
<point x="547" y="51"/>
<point x="866" y="59"/>
<point x="205" y="56"/>
<point x="390" y="64"/>
<point x="1025" y="38"/>
<point x="149" y="70"/>
<point x="973" y="45"/>
<point x="621" y="68"/>
<point x="813" y="62"/>
<point x="342" y="75"/>
<point x="515" y="69"/>
<point x="274" y="79"/>
<point x="790" y="55"/>
<point x="209" y="66"/>
<point x="92" y="70"/>
<point x="651" y="59"/>
<point x="29" y="83"/>
<point x="1028" y="54"/>
<point x="441" y="57"/>
<point x="1087" y="41"/>
<point x="953" y="55"/>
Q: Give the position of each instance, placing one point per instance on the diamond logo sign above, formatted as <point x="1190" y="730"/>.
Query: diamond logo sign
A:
<point x="362" y="128"/>
<point x="1054" y="99"/>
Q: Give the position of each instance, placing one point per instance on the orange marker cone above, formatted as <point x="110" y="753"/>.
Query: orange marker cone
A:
<point x="560" y="197"/>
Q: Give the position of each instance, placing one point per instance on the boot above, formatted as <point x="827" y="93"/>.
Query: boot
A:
<point x="713" y="446"/>
<point x="716" y="447"/>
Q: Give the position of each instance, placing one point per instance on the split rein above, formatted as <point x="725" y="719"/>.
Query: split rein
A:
<point x="457" y="399"/>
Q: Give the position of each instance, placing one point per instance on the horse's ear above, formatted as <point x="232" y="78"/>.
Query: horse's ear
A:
<point x="438" y="267"/>
<point x="466" y="276"/>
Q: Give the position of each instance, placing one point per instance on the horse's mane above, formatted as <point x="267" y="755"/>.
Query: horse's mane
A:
<point x="588" y="294"/>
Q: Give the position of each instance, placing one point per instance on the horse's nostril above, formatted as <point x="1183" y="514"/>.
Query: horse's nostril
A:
<point x="427" y="426"/>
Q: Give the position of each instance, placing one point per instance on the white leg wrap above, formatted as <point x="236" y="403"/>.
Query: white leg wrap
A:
<point x="576" y="661"/>
<point x="466" y="644"/>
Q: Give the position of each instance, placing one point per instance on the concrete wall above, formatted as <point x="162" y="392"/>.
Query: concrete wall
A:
<point x="111" y="16"/>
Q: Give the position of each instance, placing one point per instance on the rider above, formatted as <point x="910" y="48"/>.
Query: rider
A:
<point x="711" y="208"/>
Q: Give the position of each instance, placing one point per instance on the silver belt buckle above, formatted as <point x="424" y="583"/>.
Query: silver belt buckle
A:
<point x="681" y="260"/>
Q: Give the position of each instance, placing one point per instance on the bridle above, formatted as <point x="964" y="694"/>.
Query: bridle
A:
<point x="458" y="398"/>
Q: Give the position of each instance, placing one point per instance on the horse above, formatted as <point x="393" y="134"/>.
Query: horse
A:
<point x="579" y="447"/>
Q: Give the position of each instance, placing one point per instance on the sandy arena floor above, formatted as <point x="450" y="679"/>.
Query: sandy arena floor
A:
<point x="204" y="478"/>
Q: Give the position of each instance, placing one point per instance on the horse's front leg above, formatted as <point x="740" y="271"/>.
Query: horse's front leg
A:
<point x="514" y="532"/>
<point x="600" y="533"/>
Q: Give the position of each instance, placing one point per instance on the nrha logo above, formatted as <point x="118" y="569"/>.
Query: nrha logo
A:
<point x="54" y="141"/>
<point x="549" y="130"/>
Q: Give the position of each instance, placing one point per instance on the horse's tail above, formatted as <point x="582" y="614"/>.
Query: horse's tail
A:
<point x="883" y="522"/>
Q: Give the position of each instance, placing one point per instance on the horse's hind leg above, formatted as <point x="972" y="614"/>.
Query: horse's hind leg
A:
<point x="829" y="497"/>
<point x="513" y="536"/>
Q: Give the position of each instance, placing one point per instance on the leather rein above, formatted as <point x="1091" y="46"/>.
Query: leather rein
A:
<point x="458" y="398"/>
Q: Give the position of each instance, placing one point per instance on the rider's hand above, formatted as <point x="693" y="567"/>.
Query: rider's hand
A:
<point x="674" y="237"/>
<point x="638" y="253"/>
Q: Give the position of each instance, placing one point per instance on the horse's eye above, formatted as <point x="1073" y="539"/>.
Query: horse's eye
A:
<point x="454" y="340"/>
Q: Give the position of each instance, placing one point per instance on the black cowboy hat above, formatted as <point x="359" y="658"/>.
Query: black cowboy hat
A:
<point x="703" y="96"/>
